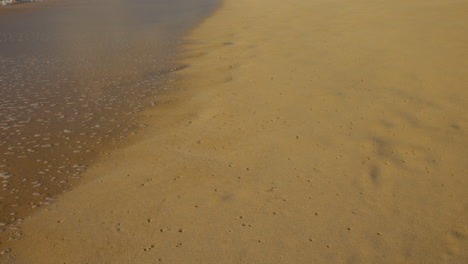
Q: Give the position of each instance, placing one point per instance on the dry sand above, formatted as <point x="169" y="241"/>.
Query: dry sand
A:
<point x="330" y="131"/>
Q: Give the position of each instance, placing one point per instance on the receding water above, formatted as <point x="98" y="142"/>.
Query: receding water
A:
<point x="73" y="77"/>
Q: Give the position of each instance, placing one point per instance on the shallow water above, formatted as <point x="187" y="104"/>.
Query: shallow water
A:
<point x="73" y="77"/>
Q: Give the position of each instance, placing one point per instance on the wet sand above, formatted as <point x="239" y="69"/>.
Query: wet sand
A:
<point x="310" y="131"/>
<point x="73" y="77"/>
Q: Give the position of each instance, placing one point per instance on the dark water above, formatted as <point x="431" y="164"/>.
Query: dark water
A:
<point x="73" y="77"/>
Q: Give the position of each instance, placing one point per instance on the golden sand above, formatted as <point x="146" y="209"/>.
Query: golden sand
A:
<point x="326" y="131"/>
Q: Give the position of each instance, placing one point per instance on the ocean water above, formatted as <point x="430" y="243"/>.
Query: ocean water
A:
<point x="73" y="77"/>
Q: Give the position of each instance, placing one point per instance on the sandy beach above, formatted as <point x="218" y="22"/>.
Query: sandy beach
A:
<point x="325" y="131"/>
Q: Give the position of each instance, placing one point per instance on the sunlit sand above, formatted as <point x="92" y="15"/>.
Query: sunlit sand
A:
<point x="304" y="132"/>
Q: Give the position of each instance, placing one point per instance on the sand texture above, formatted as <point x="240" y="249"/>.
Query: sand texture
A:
<point x="325" y="131"/>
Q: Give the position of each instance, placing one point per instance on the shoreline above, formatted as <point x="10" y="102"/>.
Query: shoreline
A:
<point x="347" y="146"/>
<point x="64" y="109"/>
